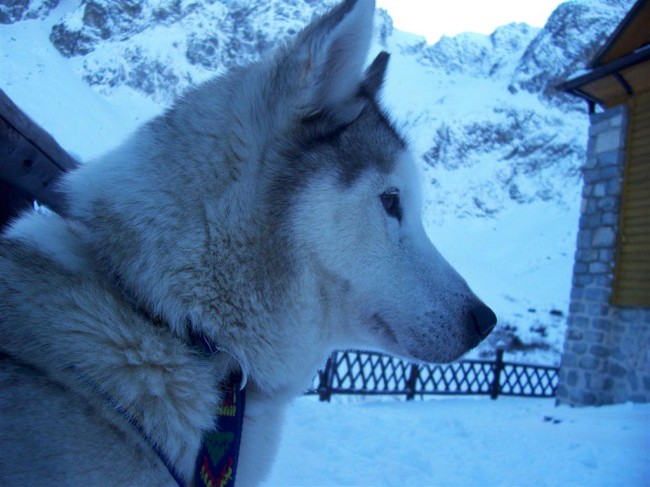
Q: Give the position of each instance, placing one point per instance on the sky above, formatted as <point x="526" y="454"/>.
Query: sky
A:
<point x="434" y="18"/>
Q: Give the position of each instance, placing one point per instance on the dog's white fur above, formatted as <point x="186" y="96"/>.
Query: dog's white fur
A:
<point x="251" y="213"/>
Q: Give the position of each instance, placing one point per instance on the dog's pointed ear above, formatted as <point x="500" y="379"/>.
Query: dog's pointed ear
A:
<point x="331" y="54"/>
<point x="375" y="75"/>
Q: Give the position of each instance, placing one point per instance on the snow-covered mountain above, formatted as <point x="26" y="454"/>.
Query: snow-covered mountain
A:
<point x="498" y="148"/>
<point x="162" y="47"/>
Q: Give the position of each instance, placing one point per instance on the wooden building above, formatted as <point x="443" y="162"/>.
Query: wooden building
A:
<point x="607" y="348"/>
<point x="30" y="163"/>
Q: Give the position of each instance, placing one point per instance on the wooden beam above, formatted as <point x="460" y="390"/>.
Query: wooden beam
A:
<point x="12" y="202"/>
<point x="30" y="159"/>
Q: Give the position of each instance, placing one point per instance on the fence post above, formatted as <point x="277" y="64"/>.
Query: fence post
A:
<point x="325" y="379"/>
<point x="495" y="388"/>
<point x="410" y="382"/>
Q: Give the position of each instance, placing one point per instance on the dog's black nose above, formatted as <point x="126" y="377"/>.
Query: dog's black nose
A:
<point x="484" y="319"/>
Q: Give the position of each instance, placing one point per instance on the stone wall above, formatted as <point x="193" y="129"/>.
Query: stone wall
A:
<point x="607" y="348"/>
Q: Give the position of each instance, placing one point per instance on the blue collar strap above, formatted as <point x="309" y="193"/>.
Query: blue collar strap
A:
<point x="216" y="464"/>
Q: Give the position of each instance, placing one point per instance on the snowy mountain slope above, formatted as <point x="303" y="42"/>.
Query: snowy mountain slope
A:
<point x="162" y="47"/>
<point x="477" y="54"/>
<point x="498" y="150"/>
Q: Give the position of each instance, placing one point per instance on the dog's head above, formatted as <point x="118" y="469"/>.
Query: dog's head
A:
<point x="349" y="192"/>
<point x="278" y="205"/>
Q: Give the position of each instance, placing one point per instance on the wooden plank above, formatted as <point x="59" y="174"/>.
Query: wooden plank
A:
<point x="635" y="231"/>
<point x="638" y="125"/>
<point x="636" y="193"/>
<point x="640" y="182"/>
<point x="632" y="205"/>
<point x="640" y="151"/>
<point x="641" y="134"/>
<point x="607" y="89"/>
<point x="12" y="202"/>
<point x="634" y="274"/>
<point x="633" y="244"/>
<point x="637" y="186"/>
<point x="641" y="119"/>
<point x="636" y="169"/>
<point x="642" y="98"/>
<point x="632" y="287"/>
<point x="628" y="260"/>
<point x="25" y="167"/>
<point x="632" y="284"/>
<point x="633" y="212"/>
<point x="628" y="248"/>
<point x="640" y="122"/>
<point x="641" y="105"/>
<point x="641" y="220"/>
<point x="627" y="283"/>
<point x="35" y="134"/>
<point x="639" y="154"/>
<point x="631" y="238"/>
<point x="630" y="298"/>
<point x="30" y="159"/>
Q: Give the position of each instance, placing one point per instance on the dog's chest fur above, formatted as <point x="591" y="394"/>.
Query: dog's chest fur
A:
<point x="65" y="326"/>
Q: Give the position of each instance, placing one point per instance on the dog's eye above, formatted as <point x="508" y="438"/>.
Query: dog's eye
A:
<point x="390" y="202"/>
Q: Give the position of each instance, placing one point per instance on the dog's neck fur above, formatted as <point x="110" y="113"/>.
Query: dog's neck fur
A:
<point x="249" y="311"/>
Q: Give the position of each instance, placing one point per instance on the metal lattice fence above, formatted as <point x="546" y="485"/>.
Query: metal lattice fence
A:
<point x="370" y="373"/>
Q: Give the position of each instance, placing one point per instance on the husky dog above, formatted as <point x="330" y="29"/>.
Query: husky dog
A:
<point x="274" y="212"/>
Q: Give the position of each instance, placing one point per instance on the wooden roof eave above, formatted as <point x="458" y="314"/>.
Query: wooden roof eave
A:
<point x="576" y="86"/>
<point x="630" y="34"/>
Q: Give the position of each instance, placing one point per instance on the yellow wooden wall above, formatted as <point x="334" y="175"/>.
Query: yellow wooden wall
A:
<point x="632" y="271"/>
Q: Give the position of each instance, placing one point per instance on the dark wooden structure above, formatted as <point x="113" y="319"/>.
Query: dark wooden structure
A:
<point x="31" y="161"/>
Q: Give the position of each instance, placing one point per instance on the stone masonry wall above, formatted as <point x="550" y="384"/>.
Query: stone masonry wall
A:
<point x="606" y="355"/>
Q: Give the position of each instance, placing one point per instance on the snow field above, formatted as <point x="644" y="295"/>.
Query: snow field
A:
<point x="462" y="441"/>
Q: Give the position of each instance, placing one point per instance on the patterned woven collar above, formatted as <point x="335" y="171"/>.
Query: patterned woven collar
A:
<point x="216" y="464"/>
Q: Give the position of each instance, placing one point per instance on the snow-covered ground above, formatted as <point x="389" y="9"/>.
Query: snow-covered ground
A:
<point x="462" y="441"/>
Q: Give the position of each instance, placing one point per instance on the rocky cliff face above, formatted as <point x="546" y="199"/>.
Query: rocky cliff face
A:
<point x="476" y="54"/>
<point x="161" y="47"/>
<point x="15" y="10"/>
<point x="569" y="40"/>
